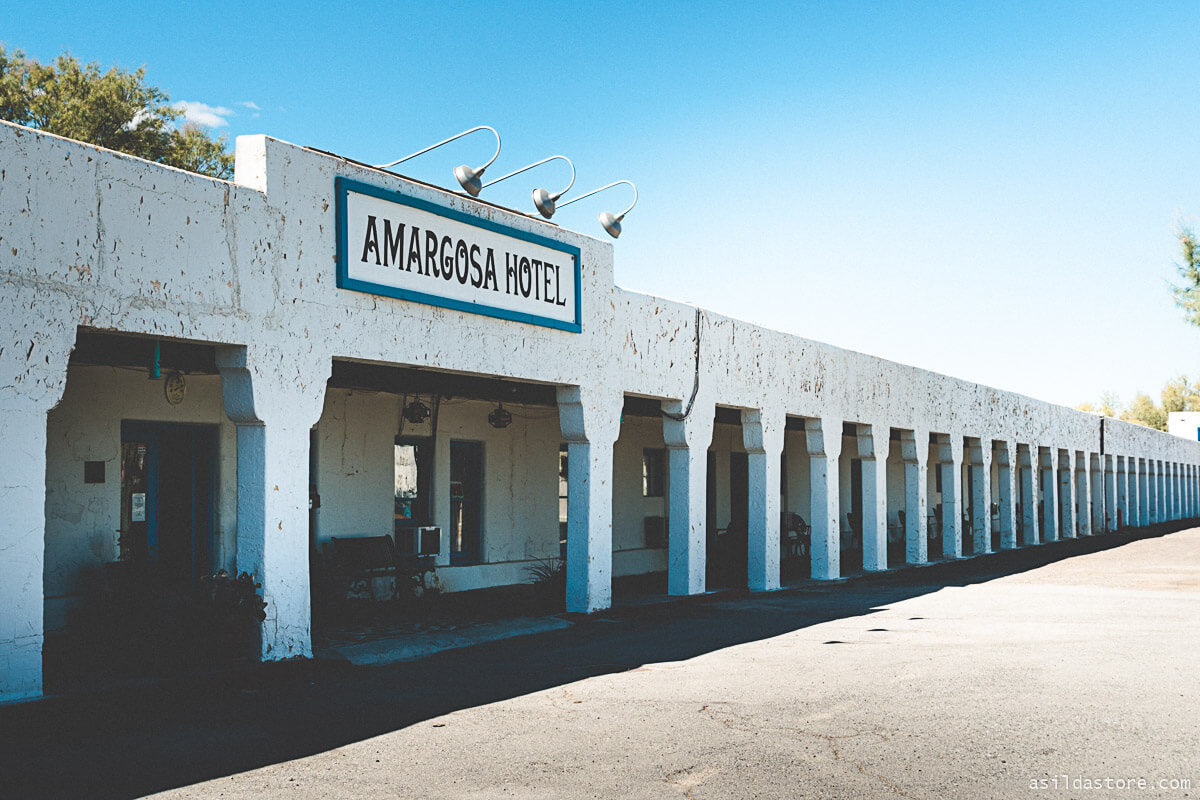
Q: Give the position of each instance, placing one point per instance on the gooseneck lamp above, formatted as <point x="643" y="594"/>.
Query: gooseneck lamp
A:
<point x="542" y="199"/>
<point x="470" y="179"/>
<point x="611" y="222"/>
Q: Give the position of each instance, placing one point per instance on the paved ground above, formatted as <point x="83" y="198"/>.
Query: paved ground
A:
<point x="948" y="681"/>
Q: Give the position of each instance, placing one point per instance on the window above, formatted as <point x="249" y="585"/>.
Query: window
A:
<point x="413" y="472"/>
<point x="466" y="495"/>
<point x="562" y="498"/>
<point x="654" y="472"/>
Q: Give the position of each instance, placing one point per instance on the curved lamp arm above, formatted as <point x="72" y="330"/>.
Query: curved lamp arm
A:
<point x="538" y="164"/>
<point x="601" y="189"/>
<point x="447" y="141"/>
<point x="611" y="222"/>
<point x="542" y="199"/>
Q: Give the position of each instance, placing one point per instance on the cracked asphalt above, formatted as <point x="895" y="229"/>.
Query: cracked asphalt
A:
<point x="1063" y="663"/>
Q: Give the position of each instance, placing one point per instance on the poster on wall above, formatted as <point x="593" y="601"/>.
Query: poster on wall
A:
<point x="395" y="245"/>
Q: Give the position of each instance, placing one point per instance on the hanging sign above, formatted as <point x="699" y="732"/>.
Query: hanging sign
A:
<point x="137" y="507"/>
<point x="399" y="246"/>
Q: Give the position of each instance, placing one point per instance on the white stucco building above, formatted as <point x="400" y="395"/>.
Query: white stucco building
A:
<point x="295" y="314"/>
<point x="1185" y="424"/>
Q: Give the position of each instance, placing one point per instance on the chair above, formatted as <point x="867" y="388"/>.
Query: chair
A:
<point x="794" y="535"/>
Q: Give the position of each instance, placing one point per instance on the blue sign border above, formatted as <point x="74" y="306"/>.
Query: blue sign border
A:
<point x="342" y="186"/>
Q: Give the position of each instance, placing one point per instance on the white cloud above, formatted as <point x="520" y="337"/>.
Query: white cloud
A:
<point x="250" y="105"/>
<point x="139" y="117"/>
<point x="204" y="114"/>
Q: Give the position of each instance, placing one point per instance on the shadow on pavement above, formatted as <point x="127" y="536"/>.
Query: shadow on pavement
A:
<point x="128" y="742"/>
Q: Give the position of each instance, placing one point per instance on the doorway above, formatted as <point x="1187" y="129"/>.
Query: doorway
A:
<point x="727" y="546"/>
<point x="168" y="481"/>
<point x="466" y="495"/>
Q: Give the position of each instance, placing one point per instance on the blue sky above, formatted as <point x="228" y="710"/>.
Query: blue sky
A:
<point x="987" y="191"/>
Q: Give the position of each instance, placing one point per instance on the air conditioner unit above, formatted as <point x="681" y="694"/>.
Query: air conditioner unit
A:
<point x="422" y="541"/>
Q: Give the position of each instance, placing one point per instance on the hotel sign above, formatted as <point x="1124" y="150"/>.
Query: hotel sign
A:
<point x="392" y="244"/>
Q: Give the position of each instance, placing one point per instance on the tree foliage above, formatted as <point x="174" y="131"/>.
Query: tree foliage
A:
<point x="116" y="109"/>
<point x="1179" y="394"/>
<point x="1187" y="296"/>
<point x="1144" y="411"/>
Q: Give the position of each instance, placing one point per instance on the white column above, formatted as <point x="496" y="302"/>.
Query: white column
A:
<point x="23" y="546"/>
<point x="824" y="438"/>
<point x="1185" y="492"/>
<point x="1121" y="480"/>
<point x="1131" y="492"/>
<point x="1133" y="495"/>
<point x="914" y="450"/>
<point x="1181" y="488"/>
<point x="1066" y="493"/>
<point x="1156" y="510"/>
<point x="1143" y="470"/>
<point x="1083" y="492"/>
<point x="1160" y="486"/>
<point x="1168" y="492"/>
<point x="1009" y="477"/>
<point x="1030" y="462"/>
<point x="951" y="457"/>
<point x="1096" y="482"/>
<point x="1152" y="480"/>
<point x="1190" y="474"/>
<point x="981" y="495"/>
<point x="1180" y="497"/>
<point x="1188" y="491"/>
<point x="274" y="399"/>
<point x="1191" y="494"/>
<point x="1193" y="491"/>
<point x="762" y="435"/>
<point x="1185" y="477"/>
<point x="37" y="332"/>
<point x="1049" y="461"/>
<point x="1110" y="492"/>
<point x="590" y="420"/>
<point x="1175" y="491"/>
<point x="873" y="447"/>
<point x="1160" y="494"/>
<point x="687" y="447"/>
<point x="1167" y="514"/>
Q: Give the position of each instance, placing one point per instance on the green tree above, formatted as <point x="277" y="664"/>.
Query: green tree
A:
<point x="1187" y="296"/>
<point x="114" y="109"/>
<point x="1143" y="411"/>
<point x="1180" y="395"/>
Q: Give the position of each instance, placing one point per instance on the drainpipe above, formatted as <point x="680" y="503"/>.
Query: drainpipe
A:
<point x="695" y="379"/>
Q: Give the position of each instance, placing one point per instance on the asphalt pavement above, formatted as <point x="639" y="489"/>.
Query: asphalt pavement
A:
<point x="1059" y="671"/>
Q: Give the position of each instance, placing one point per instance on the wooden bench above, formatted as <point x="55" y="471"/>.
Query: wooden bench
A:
<point x="358" y="559"/>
